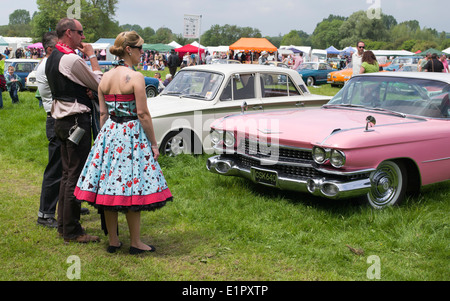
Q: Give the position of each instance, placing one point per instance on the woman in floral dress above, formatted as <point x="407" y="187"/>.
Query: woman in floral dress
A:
<point x="122" y="172"/>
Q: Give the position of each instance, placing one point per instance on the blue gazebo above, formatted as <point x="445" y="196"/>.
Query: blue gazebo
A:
<point x="332" y="50"/>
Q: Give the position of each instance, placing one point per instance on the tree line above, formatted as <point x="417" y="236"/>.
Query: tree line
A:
<point x="97" y="17"/>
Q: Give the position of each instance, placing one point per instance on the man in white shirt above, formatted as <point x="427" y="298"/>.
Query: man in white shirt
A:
<point x="52" y="173"/>
<point x="357" y="58"/>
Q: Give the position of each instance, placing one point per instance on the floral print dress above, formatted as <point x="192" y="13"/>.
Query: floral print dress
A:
<point x="120" y="173"/>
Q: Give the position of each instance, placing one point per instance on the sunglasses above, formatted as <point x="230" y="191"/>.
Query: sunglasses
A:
<point x="137" y="47"/>
<point x="361" y="47"/>
<point x="80" y="32"/>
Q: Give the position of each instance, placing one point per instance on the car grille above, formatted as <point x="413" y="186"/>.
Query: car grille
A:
<point x="289" y="161"/>
<point x="264" y="151"/>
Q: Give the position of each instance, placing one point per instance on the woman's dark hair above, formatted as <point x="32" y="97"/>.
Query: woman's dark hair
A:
<point x="369" y="57"/>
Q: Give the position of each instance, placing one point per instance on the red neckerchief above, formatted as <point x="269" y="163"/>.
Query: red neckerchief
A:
<point x="64" y="48"/>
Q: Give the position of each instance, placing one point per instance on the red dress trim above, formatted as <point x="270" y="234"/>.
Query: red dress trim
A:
<point x="119" y="97"/>
<point x="120" y="200"/>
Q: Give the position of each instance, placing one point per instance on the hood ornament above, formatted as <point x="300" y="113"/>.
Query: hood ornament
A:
<point x="370" y="122"/>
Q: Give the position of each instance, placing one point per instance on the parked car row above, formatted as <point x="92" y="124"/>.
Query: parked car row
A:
<point x="402" y="64"/>
<point x="381" y="137"/>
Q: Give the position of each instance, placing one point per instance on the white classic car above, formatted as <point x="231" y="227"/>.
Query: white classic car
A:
<point x="198" y="95"/>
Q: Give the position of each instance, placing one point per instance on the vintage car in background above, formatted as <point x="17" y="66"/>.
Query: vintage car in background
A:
<point x="339" y="78"/>
<point x="398" y="62"/>
<point x="278" y="64"/>
<point x="182" y="113"/>
<point x="382" y="136"/>
<point x="23" y="67"/>
<point x="30" y="82"/>
<point x="408" y="68"/>
<point x="314" y="73"/>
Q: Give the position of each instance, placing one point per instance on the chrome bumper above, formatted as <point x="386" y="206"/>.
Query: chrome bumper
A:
<point x="322" y="187"/>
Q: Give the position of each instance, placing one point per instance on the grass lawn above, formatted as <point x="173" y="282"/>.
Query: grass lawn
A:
<point x="217" y="228"/>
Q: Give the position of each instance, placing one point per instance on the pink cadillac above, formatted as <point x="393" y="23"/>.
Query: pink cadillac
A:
<point x="382" y="136"/>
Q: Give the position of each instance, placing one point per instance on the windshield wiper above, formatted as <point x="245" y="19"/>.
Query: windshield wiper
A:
<point x="347" y="105"/>
<point x="171" y="93"/>
<point x="389" y="111"/>
<point x="192" y="95"/>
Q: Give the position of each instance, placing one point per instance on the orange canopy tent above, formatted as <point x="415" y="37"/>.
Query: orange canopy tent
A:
<point x="253" y="44"/>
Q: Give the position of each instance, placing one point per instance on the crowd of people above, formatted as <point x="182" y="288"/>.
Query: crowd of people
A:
<point x="24" y="53"/>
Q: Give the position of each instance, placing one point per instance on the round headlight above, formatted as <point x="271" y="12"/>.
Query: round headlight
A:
<point x="319" y="155"/>
<point x="229" y="139"/>
<point x="215" y="136"/>
<point x="337" y="158"/>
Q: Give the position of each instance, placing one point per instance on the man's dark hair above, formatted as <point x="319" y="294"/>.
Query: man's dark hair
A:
<point x="63" y="25"/>
<point x="49" y="39"/>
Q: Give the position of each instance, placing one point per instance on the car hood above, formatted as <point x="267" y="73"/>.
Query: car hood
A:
<point x="165" y="106"/>
<point x="338" y="128"/>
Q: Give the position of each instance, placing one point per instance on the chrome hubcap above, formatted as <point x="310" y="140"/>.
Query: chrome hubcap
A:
<point x="385" y="185"/>
<point x="175" y="146"/>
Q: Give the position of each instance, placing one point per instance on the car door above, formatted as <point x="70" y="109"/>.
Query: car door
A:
<point x="239" y="90"/>
<point x="322" y="73"/>
<point x="278" y="92"/>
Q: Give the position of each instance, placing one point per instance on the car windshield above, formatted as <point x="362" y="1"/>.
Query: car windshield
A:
<point x="312" y="66"/>
<point x="419" y="97"/>
<point x="194" y="84"/>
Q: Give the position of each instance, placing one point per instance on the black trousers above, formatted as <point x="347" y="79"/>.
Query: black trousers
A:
<point x="173" y="70"/>
<point x="73" y="158"/>
<point x="52" y="173"/>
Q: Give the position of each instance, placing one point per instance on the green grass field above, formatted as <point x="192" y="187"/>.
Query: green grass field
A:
<point x="217" y="228"/>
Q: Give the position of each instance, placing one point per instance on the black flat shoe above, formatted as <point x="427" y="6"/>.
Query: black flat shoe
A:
<point x="135" y="251"/>
<point x="113" y="249"/>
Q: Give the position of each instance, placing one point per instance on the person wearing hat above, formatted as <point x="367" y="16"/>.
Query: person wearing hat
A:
<point x="263" y="58"/>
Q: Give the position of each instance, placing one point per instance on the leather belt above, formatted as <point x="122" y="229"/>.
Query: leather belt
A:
<point x="122" y="119"/>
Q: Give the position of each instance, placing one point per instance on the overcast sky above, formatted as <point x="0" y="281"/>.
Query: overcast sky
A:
<point x="271" y="17"/>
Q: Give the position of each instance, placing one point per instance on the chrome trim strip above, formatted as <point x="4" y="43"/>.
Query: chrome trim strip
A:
<point x="436" y="160"/>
